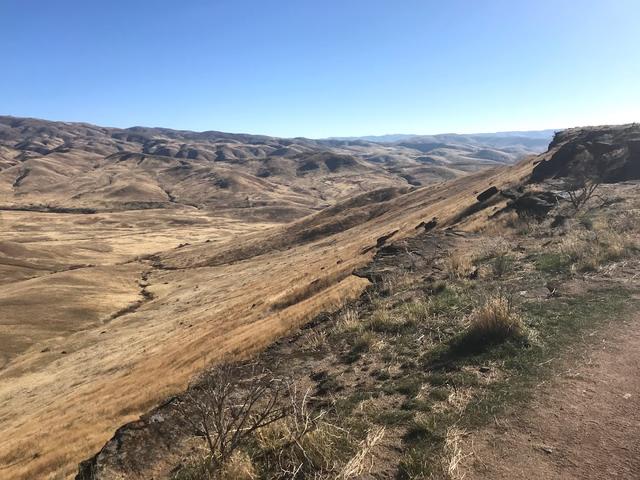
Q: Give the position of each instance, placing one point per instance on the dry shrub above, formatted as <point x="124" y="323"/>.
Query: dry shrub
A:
<point x="348" y="321"/>
<point x="304" y="444"/>
<point x="228" y="405"/>
<point x="459" y="266"/>
<point x="239" y="467"/>
<point x="495" y="321"/>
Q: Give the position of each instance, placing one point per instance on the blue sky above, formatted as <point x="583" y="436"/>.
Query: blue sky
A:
<point x="323" y="68"/>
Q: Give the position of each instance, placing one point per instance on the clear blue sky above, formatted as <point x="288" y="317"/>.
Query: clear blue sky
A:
<point x="324" y="67"/>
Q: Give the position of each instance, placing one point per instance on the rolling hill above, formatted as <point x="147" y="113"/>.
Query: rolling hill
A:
<point x="113" y="297"/>
<point x="56" y="166"/>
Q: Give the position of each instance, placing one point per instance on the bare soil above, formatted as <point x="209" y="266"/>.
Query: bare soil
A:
<point x="585" y="424"/>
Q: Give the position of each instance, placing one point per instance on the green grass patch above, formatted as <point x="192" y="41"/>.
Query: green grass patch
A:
<point x="557" y="323"/>
<point x="553" y="262"/>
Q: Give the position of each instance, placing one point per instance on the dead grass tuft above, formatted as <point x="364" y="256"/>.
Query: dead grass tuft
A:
<point x="459" y="266"/>
<point x="314" y="340"/>
<point x="453" y="455"/>
<point x="239" y="467"/>
<point x="348" y="321"/>
<point x="357" y="465"/>
<point x="495" y="321"/>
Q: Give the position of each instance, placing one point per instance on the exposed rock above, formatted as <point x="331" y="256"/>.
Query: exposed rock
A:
<point x="613" y="153"/>
<point x="532" y="204"/>
<point x="487" y="194"/>
<point x="536" y="204"/>
<point x="382" y="240"/>
<point x="428" y="226"/>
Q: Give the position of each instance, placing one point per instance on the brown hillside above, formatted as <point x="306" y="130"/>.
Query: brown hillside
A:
<point x="117" y="320"/>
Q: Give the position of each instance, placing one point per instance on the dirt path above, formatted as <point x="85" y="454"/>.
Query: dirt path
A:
<point x="584" y="425"/>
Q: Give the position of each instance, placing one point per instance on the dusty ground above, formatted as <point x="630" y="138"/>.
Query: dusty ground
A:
<point x="584" y="425"/>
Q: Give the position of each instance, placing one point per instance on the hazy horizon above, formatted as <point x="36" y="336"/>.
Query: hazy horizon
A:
<point x="334" y="137"/>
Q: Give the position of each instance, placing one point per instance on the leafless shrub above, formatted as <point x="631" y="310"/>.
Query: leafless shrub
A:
<point x="304" y="444"/>
<point x="230" y="405"/>
<point x="582" y="183"/>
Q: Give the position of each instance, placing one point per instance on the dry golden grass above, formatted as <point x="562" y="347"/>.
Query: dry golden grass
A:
<point x="453" y="454"/>
<point x="459" y="265"/>
<point x="606" y="241"/>
<point x="197" y="317"/>
<point x="495" y="320"/>
<point x="357" y="465"/>
<point x="348" y="321"/>
<point x="239" y="467"/>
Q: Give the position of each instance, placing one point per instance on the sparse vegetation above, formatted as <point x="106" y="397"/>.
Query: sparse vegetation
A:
<point x="434" y="347"/>
<point x="501" y="265"/>
<point x="229" y="406"/>
<point x="582" y="183"/>
<point x="458" y="265"/>
<point x="495" y="320"/>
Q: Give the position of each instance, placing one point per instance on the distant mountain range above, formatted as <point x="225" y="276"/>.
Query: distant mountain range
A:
<point x="46" y="164"/>
<point x="538" y="138"/>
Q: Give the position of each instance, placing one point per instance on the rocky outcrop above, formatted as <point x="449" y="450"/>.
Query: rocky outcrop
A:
<point x="611" y="152"/>
<point x="536" y="204"/>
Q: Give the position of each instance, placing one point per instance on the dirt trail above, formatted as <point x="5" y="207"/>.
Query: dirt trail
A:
<point x="585" y="424"/>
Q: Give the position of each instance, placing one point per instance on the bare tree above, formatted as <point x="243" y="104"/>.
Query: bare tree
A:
<point x="230" y="404"/>
<point x="583" y="181"/>
<point x="580" y="191"/>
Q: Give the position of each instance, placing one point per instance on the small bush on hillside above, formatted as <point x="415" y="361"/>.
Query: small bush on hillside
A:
<point x="459" y="266"/>
<point x="581" y="185"/>
<point x="495" y="321"/>
<point x="229" y="405"/>
<point x="307" y="445"/>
